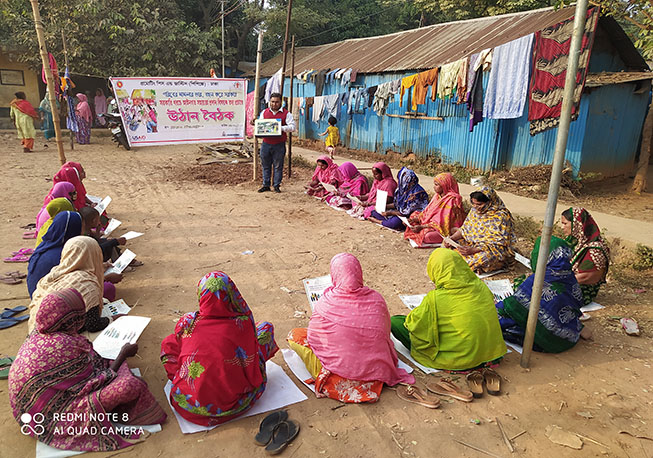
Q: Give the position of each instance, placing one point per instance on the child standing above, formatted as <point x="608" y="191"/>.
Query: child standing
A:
<point x="333" y="136"/>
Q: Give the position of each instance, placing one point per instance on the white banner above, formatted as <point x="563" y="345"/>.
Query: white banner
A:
<point x="170" y="111"/>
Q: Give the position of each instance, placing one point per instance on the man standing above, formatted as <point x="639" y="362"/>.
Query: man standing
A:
<point x="273" y="149"/>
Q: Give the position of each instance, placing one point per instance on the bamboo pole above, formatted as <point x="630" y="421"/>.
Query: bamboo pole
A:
<point x="257" y="82"/>
<point x="285" y="48"/>
<point x="292" y="76"/>
<point x="580" y="16"/>
<point x="38" y="25"/>
<point x="65" y="55"/>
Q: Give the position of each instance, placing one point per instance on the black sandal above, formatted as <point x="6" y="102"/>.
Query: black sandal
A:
<point x="283" y="434"/>
<point x="268" y="425"/>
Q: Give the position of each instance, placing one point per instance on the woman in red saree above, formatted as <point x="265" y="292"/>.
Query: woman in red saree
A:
<point x="325" y="172"/>
<point x="383" y="181"/>
<point x="216" y="356"/>
<point x="441" y="216"/>
<point x="23" y="115"/>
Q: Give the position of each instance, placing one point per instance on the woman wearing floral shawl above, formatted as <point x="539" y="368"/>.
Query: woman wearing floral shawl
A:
<point x="443" y="215"/>
<point x="558" y="325"/>
<point x="351" y="182"/>
<point x="409" y="198"/>
<point x="591" y="257"/>
<point x="383" y="181"/>
<point x="326" y="171"/>
<point x="57" y="372"/>
<point x="487" y="235"/>
<point x="216" y="356"/>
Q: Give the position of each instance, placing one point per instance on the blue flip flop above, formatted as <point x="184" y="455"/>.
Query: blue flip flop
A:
<point x="8" y="313"/>
<point x="9" y="322"/>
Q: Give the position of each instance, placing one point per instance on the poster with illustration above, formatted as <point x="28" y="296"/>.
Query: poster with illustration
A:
<point x="171" y="111"/>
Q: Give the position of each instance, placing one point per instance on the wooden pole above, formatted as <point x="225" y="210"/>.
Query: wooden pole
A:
<point x="257" y="83"/>
<point x="285" y="48"/>
<point x="290" y="103"/>
<point x="639" y="184"/>
<point x="65" y="55"/>
<point x="38" y="24"/>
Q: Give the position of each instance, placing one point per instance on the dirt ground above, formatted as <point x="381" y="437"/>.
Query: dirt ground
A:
<point x="597" y="389"/>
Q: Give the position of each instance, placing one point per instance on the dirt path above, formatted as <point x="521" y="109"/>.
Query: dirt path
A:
<point x="192" y="228"/>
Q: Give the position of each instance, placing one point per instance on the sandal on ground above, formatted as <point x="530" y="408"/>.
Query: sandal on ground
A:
<point x="630" y="326"/>
<point x="135" y="263"/>
<point x="8" y="313"/>
<point x="9" y="322"/>
<point x="23" y="251"/>
<point x="17" y="258"/>
<point x="413" y="393"/>
<point x="475" y="383"/>
<point x="492" y="382"/>
<point x="29" y="235"/>
<point x="9" y="280"/>
<point x="267" y="426"/>
<point x="283" y="434"/>
<point x="446" y="388"/>
<point x="29" y="226"/>
<point x="15" y="274"/>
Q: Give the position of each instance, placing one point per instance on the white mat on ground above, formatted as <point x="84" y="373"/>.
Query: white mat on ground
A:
<point x="406" y="354"/>
<point x="279" y="392"/>
<point x="45" y="451"/>
<point x="591" y="307"/>
<point x="414" y="244"/>
<point x="298" y="368"/>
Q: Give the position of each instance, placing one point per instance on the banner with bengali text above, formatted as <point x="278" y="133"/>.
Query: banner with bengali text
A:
<point x="171" y="111"/>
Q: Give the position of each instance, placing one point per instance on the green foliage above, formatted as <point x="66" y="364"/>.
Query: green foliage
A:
<point x="453" y="10"/>
<point x="644" y="256"/>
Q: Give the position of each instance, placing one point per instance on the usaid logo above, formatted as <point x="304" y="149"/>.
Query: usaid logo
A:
<point x="27" y="428"/>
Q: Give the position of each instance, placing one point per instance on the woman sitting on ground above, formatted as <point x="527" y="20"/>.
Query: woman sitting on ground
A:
<point x="57" y="372"/>
<point x="456" y="326"/>
<point x="91" y="228"/>
<point x="216" y="356"/>
<point x="325" y="172"/>
<point x="80" y="268"/>
<point x="347" y="347"/>
<point x="59" y="190"/>
<point x="65" y="225"/>
<point x="443" y="215"/>
<point x="591" y="257"/>
<point x="409" y="198"/>
<point x="487" y="235"/>
<point x="54" y="207"/>
<point x="352" y="182"/>
<point x="71" y="175"/>
<point x="383" y="181"/>
<point x="558" y="324"/>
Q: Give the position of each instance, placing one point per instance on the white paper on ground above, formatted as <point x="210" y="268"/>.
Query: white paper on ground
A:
<point x="329" y="187"/>
<point x="490" y="274"/>
<point x="591" y="307"/>
<point x="126" y="329"/>
<point x="414" y="244"/>
<point x="131" y="235"/>
<point x="381" y="201"/>
<point x="406" y="354"/>
<point x="412" y="300"/>
<point x="118" y="307"/>
<point x="523" y="260"/>
<point x="518" y="348"/>
<point x="298" y="368"/>
<point x="354" y="199"/>
<point x="95" y="199"/>
<point x="279" y="392"/>
<point x="121" y="263"/>
<point x="405" y="221"/>
<point x="113" y="224"/>
<point x="103" y="205"/>
<point x="315" y="287"/>
<point x="500" y="289"/>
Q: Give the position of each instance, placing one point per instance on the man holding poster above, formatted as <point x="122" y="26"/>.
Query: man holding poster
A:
<point x="273" y="149"/>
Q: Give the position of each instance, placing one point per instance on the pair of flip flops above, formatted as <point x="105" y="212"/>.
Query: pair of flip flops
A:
<point x="276" y="432"/>
<point x="5" y="365"/>
<point x="490" y="377"/>
<point x="8" y="318"/>
<point x="445" y="387"/>
<point x="30" y="234"/>
<point x="21" y="255"/>
<point x="416" y="395"/>
<point x="12" y="278"/>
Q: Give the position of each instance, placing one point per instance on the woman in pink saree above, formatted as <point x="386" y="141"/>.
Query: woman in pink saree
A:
<point x="383" y="181"/>
<point x="352" y="182"/>
<point x="325" y="172"/>
<point x="61" y="189"/>
<point x="57" y="372"/>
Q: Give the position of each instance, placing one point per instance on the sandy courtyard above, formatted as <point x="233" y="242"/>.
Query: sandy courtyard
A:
<point x="597" y="389"/>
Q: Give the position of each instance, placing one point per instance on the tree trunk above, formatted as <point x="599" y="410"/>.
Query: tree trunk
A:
<point x="639" y="184"/>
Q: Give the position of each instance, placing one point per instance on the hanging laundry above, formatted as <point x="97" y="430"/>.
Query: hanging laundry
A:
<point x="354" y="74"/>
<point x="395" y="86"/>
<point x="461" y="81"/>
<point x="406" y="83"/>
<point x="547" y="84"/>
<point x="332" y="105"/>
<point x="447" y="79"/>
<point x="508" y="86"/>
<point x="364" y="101"/>
<point x="249" y="114"/>
<point x="318" y="108"/>
<point x="351" y="101"/>
<point x="273" y="85"/>
<point x="424" y="81"/>
<point x="484" y="60"/>
<point x="346" y="77"/>
<point x="371" y="91"/>
<point x="475" y="93"/>
<point x="382" y="98"/>
<point x="319" y="81"/>
<point x="340" y="73"/>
